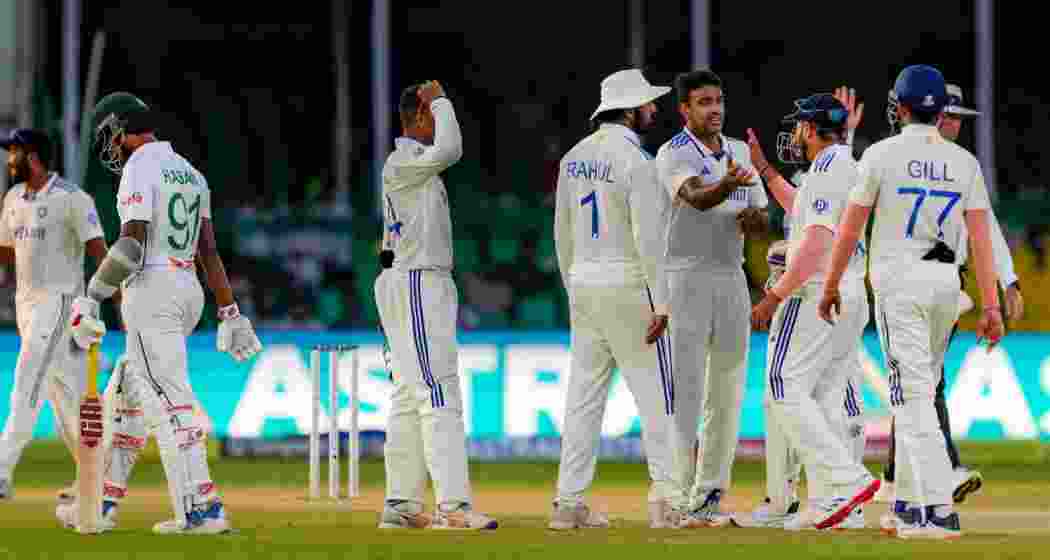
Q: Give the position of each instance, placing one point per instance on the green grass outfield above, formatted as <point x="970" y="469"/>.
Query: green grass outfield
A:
<point x="1010" y="519"/>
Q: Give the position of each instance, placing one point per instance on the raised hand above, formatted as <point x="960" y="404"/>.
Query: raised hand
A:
<point x="758" y="157"/>
<point x="848" y="97"/>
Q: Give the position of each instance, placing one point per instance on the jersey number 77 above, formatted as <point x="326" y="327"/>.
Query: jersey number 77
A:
<point x="921" y="195"/>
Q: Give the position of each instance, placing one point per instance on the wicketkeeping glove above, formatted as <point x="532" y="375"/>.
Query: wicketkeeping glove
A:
<point x="236" y="335"/>
<point x="86" y="327"/>
<point x="776" y="258"/>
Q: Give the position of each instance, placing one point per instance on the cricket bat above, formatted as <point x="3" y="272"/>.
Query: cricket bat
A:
<point x="89" y="451"/>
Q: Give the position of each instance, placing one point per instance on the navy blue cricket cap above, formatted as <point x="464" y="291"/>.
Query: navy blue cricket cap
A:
<point x="36" y="141"/>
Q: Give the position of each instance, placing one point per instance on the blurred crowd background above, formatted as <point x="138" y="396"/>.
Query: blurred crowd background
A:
<point x="253" y="104"/>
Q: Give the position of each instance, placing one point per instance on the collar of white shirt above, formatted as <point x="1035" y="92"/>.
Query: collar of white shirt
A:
<point x="157" y="145"/>
<point x="916" y="129"/>
<point x="29" y="195"/>
<point x="404" y="143"/>
<point x="706" y="153"/>
<point x="631" y="135"/>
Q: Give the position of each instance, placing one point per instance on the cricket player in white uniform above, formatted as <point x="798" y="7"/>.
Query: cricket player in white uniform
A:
<point x="781" y="505"/>
<point x="716" y="199"/>
<point x="808" y="359"/>
<point x="922" y="188"/>
<point x="608" y="237"/>
<point x="965" y="480"/>
<point x="418" y="304"/>
<point x="164" y="205"/>
<point x="47" y="226"/>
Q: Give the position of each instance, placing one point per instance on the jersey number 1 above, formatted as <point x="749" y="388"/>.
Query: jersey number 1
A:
<point x="189" y="224"/>
<point x="921" y="194"/>
<point x="592" y="199"/>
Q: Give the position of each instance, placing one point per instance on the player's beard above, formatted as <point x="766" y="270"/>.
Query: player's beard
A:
<point x="642" y="123"/>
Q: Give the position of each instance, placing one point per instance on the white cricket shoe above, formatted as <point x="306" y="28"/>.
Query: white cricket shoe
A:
<point x="67" y="515"/>
<point x="763" y="517"/>
<point x="463" y="517"/>
<point x="6" y="490"/>
<point x="936" y="528"/>
<point x="828" y="518"/>
<point x="854" y="521"/>
<point x="403" y="515"/>
<point x="210" y="519"/>
<point x="662" y="515"/>
<point x="709" y="514"/>
<point x="966" y="482"/>
<point x="816" y="516"/>
<point x="576" y="516"/>
<point x="887" y="493"/>
<point x="832" y="513"/>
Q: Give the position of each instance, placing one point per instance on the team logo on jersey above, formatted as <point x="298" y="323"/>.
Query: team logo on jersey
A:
<point x="41" y="212"/>
<point x="928" y="101"/>
<point x="821" y="205"/>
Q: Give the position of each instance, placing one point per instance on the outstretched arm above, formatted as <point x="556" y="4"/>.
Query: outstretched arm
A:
<point x="704" y="197"/>
<point x="782" y="190"/>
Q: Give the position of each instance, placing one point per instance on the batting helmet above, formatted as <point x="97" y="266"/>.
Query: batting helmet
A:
<point x="115" y="115"/>
<point x="825" y="112"/>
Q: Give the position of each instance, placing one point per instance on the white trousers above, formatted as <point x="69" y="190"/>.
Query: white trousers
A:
<point x="710" y="336"/>
<point x="784" y="462"/>
<point x="807" y="366"/>
<point x="425" y="431"/>
<point x="49" y="368"/>
<point x="915" y="310"/>
<point x="161" y="307"/>
<point x="609" y="326"/>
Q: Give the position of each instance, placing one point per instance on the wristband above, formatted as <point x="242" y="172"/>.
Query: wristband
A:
<point x="229" y="312"/>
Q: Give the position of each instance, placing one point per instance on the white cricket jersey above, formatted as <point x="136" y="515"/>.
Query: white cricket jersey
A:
<point x="417" y="225"/>
<point x="48" y="230"/>
<point x="820" y="200"/>
<point x="712" y="237"/>
<point x="919" y="185"/>
<point x="600" y="232"/>
<point x="159" y="186"/>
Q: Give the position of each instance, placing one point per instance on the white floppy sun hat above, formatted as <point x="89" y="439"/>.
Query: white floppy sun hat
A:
<point x="955" y="100"/>
<point x="627" y="89"/>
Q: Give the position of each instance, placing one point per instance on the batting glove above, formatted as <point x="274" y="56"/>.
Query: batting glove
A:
<point x="85" y="325"/>
<point x="236" y="335"/>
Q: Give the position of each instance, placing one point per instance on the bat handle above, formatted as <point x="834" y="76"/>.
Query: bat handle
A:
<point x="91" y="387"/>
